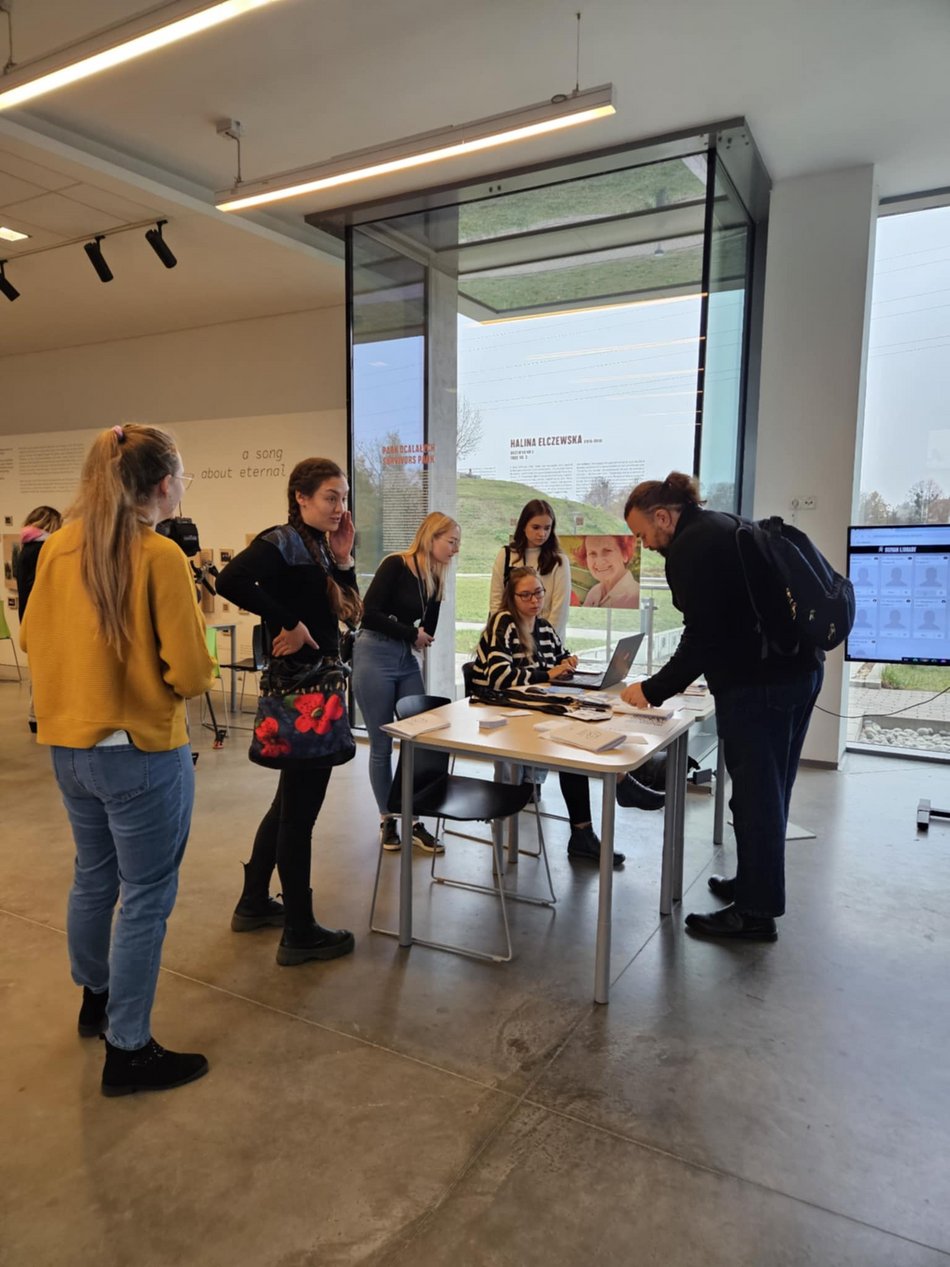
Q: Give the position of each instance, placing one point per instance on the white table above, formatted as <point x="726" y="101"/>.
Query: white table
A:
<point x="520" y="743"/>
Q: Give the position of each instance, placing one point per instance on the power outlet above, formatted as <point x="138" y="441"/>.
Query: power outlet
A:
<point x="807" y="502"/>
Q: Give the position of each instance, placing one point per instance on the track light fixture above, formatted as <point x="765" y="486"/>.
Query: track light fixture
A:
<point x="158" y="244"/>
<point x="7" y="287"/>
<point x="563" y="111"/>
<point x="116" y="44"/>
<point x="97" y="260"/>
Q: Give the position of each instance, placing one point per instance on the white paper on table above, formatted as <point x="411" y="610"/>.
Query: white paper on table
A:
<point x="631" y="710"/>
<point x="421" y="724"/>
<point x="654" y="726"/>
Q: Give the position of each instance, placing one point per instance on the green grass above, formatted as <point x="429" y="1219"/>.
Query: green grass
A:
<point x="915" y="677"/>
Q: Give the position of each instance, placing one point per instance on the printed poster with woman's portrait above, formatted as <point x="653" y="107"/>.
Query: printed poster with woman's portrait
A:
<point x="605" y="570"/>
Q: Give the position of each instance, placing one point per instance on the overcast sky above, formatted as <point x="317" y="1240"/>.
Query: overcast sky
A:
<point x="907" y="411"/>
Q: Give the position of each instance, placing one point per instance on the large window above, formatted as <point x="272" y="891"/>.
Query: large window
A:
<point x="562" y="336"/>
<point x="905" y="459"/>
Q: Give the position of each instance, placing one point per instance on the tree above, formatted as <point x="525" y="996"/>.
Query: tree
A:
<point x="600" y="493"/>
<point x="873" y="509"/>
<point x="921" y="497"/>
<point x="468" y="434"/>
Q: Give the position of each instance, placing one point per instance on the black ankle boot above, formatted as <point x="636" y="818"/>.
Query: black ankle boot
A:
<point x="256" y="909"/>
<point x="149" y="1068"/>
<point x="92" y="1014"/>
<point x="631" y="794"/>
<point x="305" y="939"/>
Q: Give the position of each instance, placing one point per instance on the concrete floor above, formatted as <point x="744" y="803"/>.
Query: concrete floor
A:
<point x="750" y="1105"/>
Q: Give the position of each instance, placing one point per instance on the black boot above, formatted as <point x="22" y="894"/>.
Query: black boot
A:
<point x="149" y="1068"/>
<point x="305" y="939"/>
<point x="631" y="794"/>
<point x="256" y="909"/>
<point x="92" y="1014"/>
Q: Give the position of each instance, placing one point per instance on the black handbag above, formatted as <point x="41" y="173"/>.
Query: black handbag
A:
<point x="302" y="719"/>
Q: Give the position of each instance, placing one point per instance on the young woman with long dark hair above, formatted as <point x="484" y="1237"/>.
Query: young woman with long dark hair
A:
<point x="534" y="544"/>
<point x="116" y="645"/>
<point x="520" y="648"/>
<point x="299" y="577"/>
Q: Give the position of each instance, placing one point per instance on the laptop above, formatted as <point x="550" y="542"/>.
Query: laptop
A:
<point x="621" y="662"/>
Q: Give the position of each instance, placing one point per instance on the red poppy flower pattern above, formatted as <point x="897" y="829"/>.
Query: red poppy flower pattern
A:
<point x="317" y="712"/>
<point x="267" y="732"/>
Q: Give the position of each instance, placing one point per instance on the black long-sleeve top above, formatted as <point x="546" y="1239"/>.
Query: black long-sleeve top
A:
<point x="26" y="571"/>
<point x="277" y="578"/>
<point x="396" y="603"/>
<point x="719" y="639"/>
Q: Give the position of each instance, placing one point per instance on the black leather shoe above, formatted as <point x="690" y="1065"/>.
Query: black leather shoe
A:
<point x="730" y="923"/>
<point x="92" y="1014"/>
<point x="298" y="945"/>
<point x="722" y="887"/>
<point x="585" y="844"/>
<point x="149" y="1068"/>
<point x="251" y="913"/>
<point x="632" y="794"/>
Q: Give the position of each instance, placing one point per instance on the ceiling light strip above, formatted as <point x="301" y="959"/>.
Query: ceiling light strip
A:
<point x="428" y="147"/>
<point x="119" y="44"/>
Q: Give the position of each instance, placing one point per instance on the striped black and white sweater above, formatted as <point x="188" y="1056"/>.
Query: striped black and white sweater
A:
<point x="501" y="660"/>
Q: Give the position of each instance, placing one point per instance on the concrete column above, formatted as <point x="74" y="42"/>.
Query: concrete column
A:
<point x="442" y="378"/>
<point x="811" y="400"/>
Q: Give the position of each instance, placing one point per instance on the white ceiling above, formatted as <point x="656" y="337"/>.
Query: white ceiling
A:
<point x="823" y="84"/>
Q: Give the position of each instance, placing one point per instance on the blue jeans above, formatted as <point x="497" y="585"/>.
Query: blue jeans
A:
<point x="384" y="671"/>
<point x="130" y="813"/>
<point x="762" y="729"/>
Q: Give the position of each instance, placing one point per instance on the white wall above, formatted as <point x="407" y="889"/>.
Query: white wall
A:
<point x="271" y="365"/>
<point x="814" y="341"/>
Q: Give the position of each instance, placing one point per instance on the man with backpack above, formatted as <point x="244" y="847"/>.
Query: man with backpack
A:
<point x="765" y="686"/>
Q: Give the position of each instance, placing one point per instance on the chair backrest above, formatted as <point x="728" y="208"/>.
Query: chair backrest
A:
<point x="211" y="642"/>
<point x="468" y="668"/>
<point x="428" y="768"/>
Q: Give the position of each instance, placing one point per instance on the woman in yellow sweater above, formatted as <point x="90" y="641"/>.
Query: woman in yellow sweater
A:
<point x="116" y="645"/>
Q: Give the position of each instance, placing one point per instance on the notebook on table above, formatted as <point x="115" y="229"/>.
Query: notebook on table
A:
<point x="598" y="679"/>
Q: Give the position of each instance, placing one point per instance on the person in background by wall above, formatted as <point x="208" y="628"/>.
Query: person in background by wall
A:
<point x="116" y="645"/>
<point x="519" y="648"/>
<point x="534" y="544"/>
<point x="37" y="526"/>
<point x="763" y="706"/>
<point x="300" y="578"/>
<point x="606" y="559"/>
<point x="400" y="615"/>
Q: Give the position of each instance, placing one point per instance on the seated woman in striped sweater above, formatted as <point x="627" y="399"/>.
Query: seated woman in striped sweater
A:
<point x="518" y="647"/>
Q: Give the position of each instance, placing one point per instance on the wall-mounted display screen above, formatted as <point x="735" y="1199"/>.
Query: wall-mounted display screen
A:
<point x="901" y="578"/>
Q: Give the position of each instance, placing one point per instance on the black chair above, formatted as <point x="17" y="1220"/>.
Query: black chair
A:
<point x="254" y="663"/>
<point x="439" y="794"/>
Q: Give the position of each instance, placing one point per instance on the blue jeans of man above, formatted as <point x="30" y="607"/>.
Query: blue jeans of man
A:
<point x="762" y="729"/>
<point x="384" y="671"/>
<point x="130" y="813"/>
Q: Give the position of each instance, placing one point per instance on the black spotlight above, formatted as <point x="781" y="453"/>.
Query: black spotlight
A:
<point x="6" y="287"/>
<point x="94" y="251"/>
<point x="158" y="244"/>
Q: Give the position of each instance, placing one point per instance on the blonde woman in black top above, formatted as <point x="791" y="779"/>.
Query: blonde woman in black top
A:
<point x="400" y="615"/>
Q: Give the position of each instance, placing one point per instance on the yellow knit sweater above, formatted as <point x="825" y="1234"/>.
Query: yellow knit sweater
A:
<point x="82" y="690"/>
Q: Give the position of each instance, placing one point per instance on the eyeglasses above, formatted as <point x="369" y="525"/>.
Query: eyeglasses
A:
<point x="530" y="594"/>
<point x="185" y="479"/>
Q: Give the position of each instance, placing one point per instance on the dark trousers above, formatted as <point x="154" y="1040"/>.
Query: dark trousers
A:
<point x="762" y="729"/>
<point x="575" y="788"/>
<point x="283" y="840"/>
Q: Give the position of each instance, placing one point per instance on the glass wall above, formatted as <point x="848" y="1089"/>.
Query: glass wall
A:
<point x="905" y="473"/>
<point x="561" y="341"/>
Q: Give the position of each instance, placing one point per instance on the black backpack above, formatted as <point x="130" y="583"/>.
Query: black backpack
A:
<point x="798" y="598"/>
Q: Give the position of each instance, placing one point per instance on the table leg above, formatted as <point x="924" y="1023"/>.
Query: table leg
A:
<point x="516" y="772"/>
<point x="676" y="760"/>
<point x="679" y="823"/>
<point x="605" y="896"/>
<point x="719" y="813"/>
<point x="407" y="755"/>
